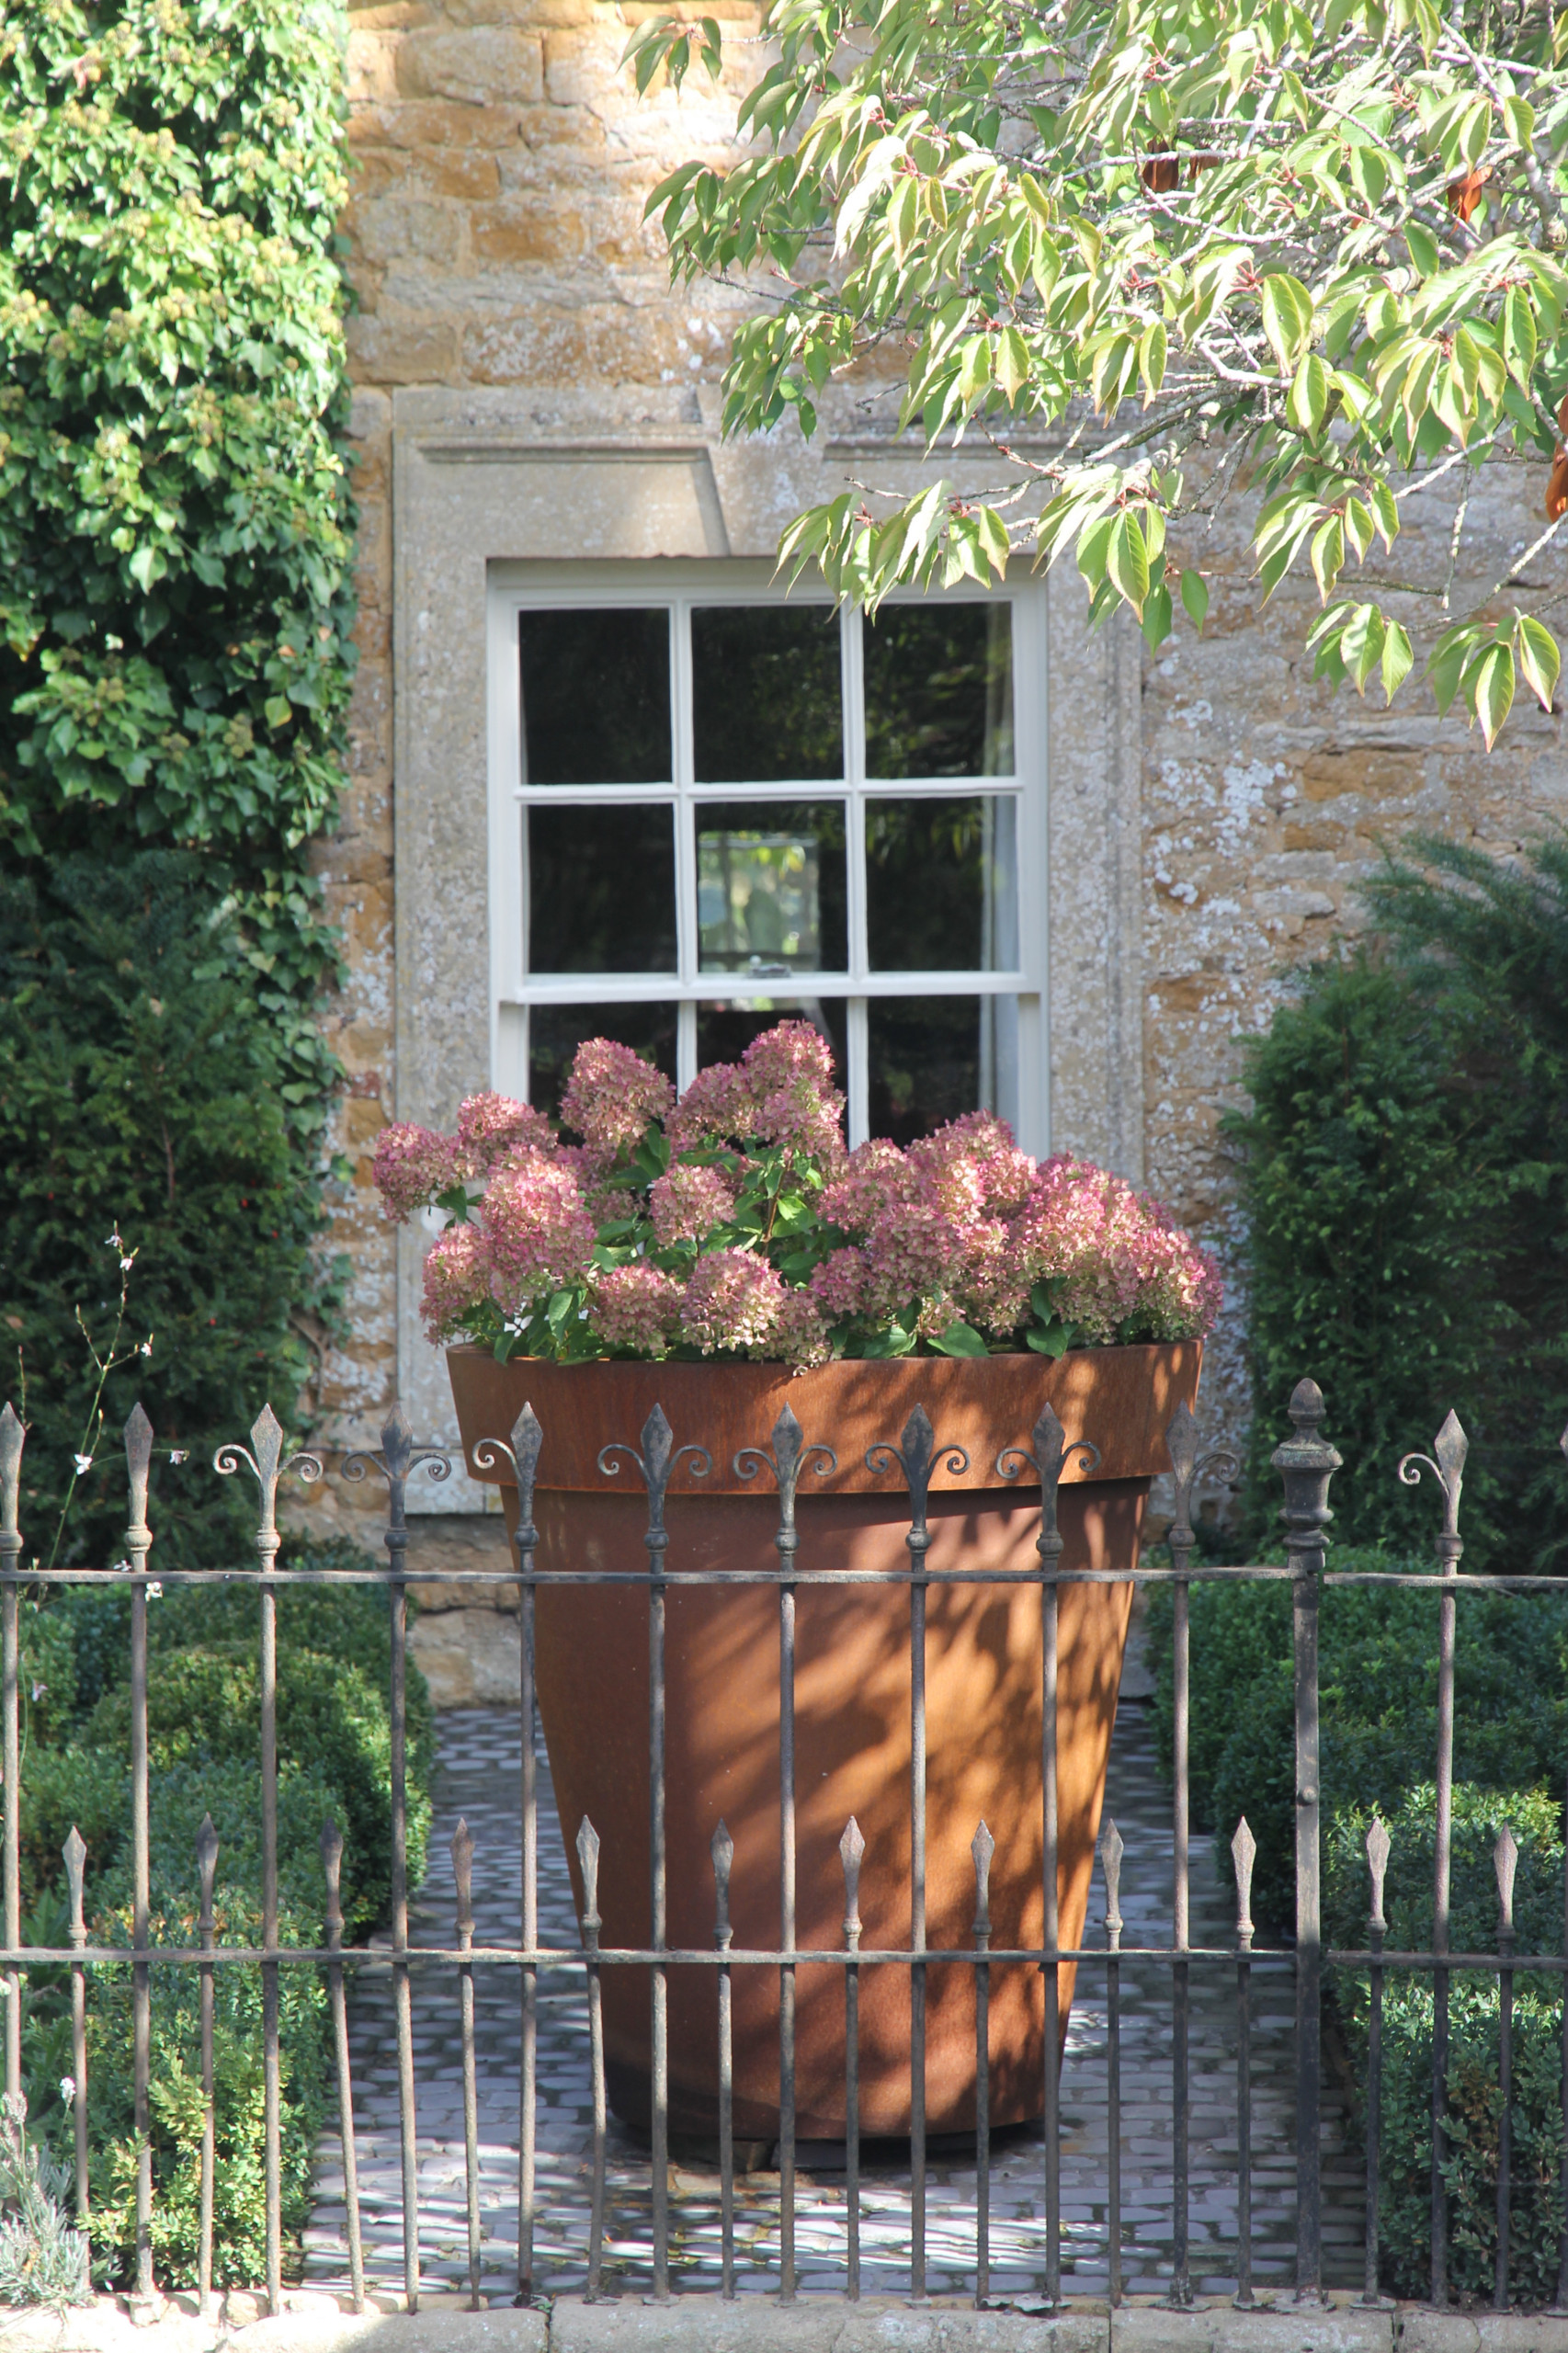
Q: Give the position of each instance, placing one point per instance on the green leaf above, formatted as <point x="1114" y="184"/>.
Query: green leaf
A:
<point x="960" y="1340"/>
<point x="1397" y="659"/>
<point x="1127" y="560"/>
<point x="1287" y="319"/>
<point x="1052" y="1339"/>
<point x="1011" y="363"/>
<point x="1152" y="360"/>
<point x="1156" y="616"/>
<point x="1489" y="689"/>
<point x="1421" y="247"/>
<point x="1328" y="554"/>
<point x="1194" y="596"/>
<point x="1308" y="403"/>
<point x="1540" y="662"/>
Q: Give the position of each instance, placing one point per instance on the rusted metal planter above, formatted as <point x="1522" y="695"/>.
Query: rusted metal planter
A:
<point x="852" y="1701"/>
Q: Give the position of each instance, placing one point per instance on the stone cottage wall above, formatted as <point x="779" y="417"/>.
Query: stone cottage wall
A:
<point x="502" y="164"/>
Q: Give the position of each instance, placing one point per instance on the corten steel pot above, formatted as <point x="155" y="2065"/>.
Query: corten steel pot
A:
<point x="852" y="1697"/>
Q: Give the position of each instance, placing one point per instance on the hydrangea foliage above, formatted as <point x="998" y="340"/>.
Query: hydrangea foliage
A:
<point x="735" y="1223"/>
<point x="1310" y="248"/>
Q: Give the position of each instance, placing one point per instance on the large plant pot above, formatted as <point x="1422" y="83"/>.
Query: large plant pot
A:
<point x="983" y="1697"/>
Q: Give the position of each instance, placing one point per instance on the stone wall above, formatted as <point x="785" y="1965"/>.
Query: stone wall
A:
<point x="499" y="253"/>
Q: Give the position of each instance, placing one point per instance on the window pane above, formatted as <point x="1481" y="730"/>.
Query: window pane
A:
<point x="931" y="1059"/>
<point x="771" y="887"/>
<point x="555" y="1032"/>
<point x="601" y="890"/>
<point x="724" y="1032"/>
<point x="939" y="690"/>
<point x="941" y="884"/>
<point x="764" y="693"/>
<point x="595" y="696"/>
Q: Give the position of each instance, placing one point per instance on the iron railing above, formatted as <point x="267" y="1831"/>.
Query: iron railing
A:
<point x="1305" y="1462"/>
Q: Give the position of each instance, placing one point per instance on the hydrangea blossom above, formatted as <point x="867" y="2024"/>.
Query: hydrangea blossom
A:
<point x="802" y="1251"/>
<point x="613" y="1095"/>
<point x="635" y="1307"/>
<point x="689" y="1200"/>
<point x="413" y="1165"/>
<point x="539" y="1236"/>
<point x="455" y="1281"/>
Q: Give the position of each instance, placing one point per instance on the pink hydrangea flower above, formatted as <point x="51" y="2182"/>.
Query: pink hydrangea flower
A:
<point x="716" y="1108"/>
<point x="636" y="1307"/>
<point x="456" y="1281"/>
<point x="413" y="1165"/>
<point x="689" y="1201"/>
<point x="972" y="1168"/>
<point x="490" y="1127"/>
<point x="732" y="1299"/>
<point x="788" y="1071"/>
<point x="877" y="1183"/>
<point x="539" y="1236"/>
<point x="799" y="1336"/>
<point x="1114" y="1257"/>
<point x="613" y="1095"/>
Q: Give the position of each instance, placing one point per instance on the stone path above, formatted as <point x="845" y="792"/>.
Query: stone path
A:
<point x="477" y="1778"/>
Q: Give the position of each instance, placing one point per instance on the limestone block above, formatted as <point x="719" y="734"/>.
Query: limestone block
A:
<point x="525" y="229"/>
<point x="478" y="66"/>
<point x="387" y="349"/>
<point x="399" y="228"/>
<point x="470" y="1658"/>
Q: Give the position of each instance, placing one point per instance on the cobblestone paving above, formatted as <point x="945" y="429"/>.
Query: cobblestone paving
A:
<point x="477" y="1778"/>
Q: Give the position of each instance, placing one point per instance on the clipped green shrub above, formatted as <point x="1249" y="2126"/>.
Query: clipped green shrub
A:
<point x="1377" y="1696"/>
<point x="334" y="1647"/>
<point x="143" y="1112"/>
<point x="1367" y="1194"/>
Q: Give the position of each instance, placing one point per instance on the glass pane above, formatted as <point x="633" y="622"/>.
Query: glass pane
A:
<point x="771" y="887"/>
<point x="931" y="1059"/>
<point x="555" y="1032"/>
<point x="601" y="890"/>
<point x="595" y="696"/>
<point x="724" y="1032"/>
<point x="942" y="885"/>
<point x="764" y="693"/>
<point x="939" y="690"/>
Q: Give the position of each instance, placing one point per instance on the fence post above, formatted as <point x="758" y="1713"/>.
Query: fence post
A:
<point x="12" y="1436"/>
<point x="1306" y="1462"/>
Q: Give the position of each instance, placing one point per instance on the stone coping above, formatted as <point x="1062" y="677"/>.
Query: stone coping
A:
<point x="313" y="2320"/>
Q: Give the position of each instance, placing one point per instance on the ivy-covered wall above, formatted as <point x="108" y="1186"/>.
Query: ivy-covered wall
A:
<point x="176" y="587"/>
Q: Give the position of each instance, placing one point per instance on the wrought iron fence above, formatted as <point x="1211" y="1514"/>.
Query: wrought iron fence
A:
<point x="1305" y="1462"/>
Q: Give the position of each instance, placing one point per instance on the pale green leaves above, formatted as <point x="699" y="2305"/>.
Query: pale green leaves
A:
<point x="663" y="42"/>
<point x="1287" y="319"/>
<point x="1479" y="665"/>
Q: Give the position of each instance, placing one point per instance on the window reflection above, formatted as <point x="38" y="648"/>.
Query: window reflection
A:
<point x="595" y="685"/>
<point x="724" y="1032"/>
<point x="601" y="890"/>
<point x="771" y="892"/>
<point x="931" y="1059"/>
<point x="941" y="884"/>
<point x="555" y="1032"/>
<point x="939" y="690"/>
<point x="764" y="693"/>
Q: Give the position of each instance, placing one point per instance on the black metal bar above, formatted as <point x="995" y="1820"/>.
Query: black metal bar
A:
<point x="1562" y="2248"/>
<point x="1111" y="1849"/>
<point x="915" y="1455"/>
<point x="654" y="1464"/>
<point x="1445" y="1463"/>
<point x="207" y="1866"/>
<point x="528" y="1439"/>
<point x="1377" y="1864"/>
<point x="1244" y="1852"/>
<point x="1049" y="1459"/>
<point x="788" y="1455"/>
<point x="1507" y="1859"/>
<point x="723" y="1849"/>
<point x="852" y="1854"/>
<point x="589" y="1860"/>
<point x="397" y="1452"/>
<point x="1306" y="1463"/>
<point x="1207" y="1572"/>
<point x="462" y="1876"/>
<point x="12" y="1438"/>
<point x="432" y="1957"/>
<point x="267" y="1543"/>
<point x="138" y="1544"/>
<point x="331" y="1864"/>
<point x="76" y="1855"/>
<point x="1181" y="2283"/>
<point x="983" y="1847"/>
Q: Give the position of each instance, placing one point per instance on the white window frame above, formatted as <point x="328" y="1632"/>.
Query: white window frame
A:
<point x="515" y="588"/>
